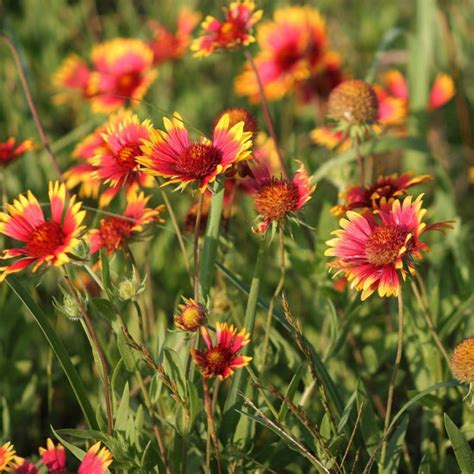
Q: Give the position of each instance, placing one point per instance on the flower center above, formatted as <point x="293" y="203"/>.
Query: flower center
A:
<point x="217" y="359"/>
<point x="45" y="239"/>
<point x="128" y="83"/>
<point x="127" y="156"/>
<point x="230" y="32"/>
<point x="198" y="160"/>
<point x="114" y="232"/>
<point x="192" y="317"/>
<point x="287" y="57"/>
<point x="276" y="198"/>
<point x="383" y="246"/>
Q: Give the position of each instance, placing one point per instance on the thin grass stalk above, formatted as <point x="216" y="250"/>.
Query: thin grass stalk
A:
<point x="391" y="388"/>
<point x="96" y="346"/>
<point x="266" y="112"/>
<point x="32" y="106"/>
<point x="211" y="240"/>
<point x="211" y="427"/>
<point x="249" y="321"/>
<point x="278" y="289"/>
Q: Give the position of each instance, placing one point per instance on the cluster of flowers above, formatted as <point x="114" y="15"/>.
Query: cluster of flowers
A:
<point x="53" y="458"/>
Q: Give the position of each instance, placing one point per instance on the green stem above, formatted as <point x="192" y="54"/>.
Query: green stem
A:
<point x="58" y="349"/>
<point x="211" y="240"/>
<point x="249" y="322"/>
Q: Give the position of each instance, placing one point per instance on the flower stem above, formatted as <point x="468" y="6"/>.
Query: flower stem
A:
<point x="211" y="427"/>
<point x="266" y="113"/>
<point x="391" y="388"/>
<point x="196" y="247"/>
<point x="94" y="340"/>
<point x="211" y="240"/>
<point x="32" y="106"/>
<point x="278" y="289"/>
<point x="249" y="321"/>
<point x="360" y="162"/>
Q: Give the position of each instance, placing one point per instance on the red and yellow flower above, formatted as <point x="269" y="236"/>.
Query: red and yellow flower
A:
<point x="23" y="466"/>
<point x="278" y="198"/>
<point x="9" y="151"/>
<point x="7" y="456"/>
<point x="116" y="231"/>
<point x="73" y="75"/>
<point x="116" y="161"/>
<point x="292" y="48"/>
<point x="441" y="92"/>
<point x="234" y="30"/>
<point x="330" y="138"/>
<point x="168" y="46"/>
<point x="96" y="460"/>
<point x="54" y="457"/>
<point x="375" y="252"/>
<point x="384" y="190"/>
<point x="220" y="359"/>
<point x="173" y="155"/>
<point x="191" y="315"/>
<point x="46" y="241"/>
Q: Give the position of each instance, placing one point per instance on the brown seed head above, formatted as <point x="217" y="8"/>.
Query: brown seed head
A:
<point x="462" y="361"/>
<point x="239" y="114"/>
<point x="276" y="199"/>
<point x="353" y="101"/>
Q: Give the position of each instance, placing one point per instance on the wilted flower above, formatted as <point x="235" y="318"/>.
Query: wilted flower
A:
<point x="116" y="231"/>
<point x="7" y="455"/>
<point x="234" y="30"/>
<point x="191" y="315"/>
<point x="277" y="198"/>
<point x="374" y="251"/>
<point x="116" y="162"/>
<point x="385" y="190"/>
<point x="9" y="151"/>
<point x="353" y="102"/>
<point x="46" y="241"/>
<point x="221" y="359"/>
<point x="175" y="156"/>
<point x="292" y="48"/>
<point x="168" y="46"/>
<point x="462" y="361"/>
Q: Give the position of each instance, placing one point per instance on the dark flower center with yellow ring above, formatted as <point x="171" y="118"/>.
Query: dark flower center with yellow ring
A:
<point x="383" y="246"/>
<point x="45" y="239"/>
<point x="276" y="198"/>
<point x="217" y="360"/>
<point x="198" y="160"/>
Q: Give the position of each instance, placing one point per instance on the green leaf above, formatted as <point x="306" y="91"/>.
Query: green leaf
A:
<point x="291" y="390"/>
<point x="394" y="450"/>
<point x="121" y="417"/>
<point x="462" y="450"/>
<point x="58" y="349"/>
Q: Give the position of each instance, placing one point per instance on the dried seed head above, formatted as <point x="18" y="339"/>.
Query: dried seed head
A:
<point x="353" y="101"/>
<point x="462" y="361"/>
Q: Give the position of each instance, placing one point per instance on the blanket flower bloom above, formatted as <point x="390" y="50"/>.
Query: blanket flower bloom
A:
<point x="10" y="151"/>
<point x="46" y="241"/>
<point x="233" y="31"/>
<point x="375" y="252"/>
<point x="291" y="49"/>
<point x="191" y="315"/>
<point x="384" y="190"/>
<point x="173" y="155"/>
<point x="462" y="361"/>
<point x="7" y="455"/>
<point x="122" y="74"/>
<point x="116" y="162"/>
<point x="114" y="232"/>
<point x="54" y="457"/>
<point x="23" y="466"/>
<point x="168" y="46"/>
<point x="73" y="76"/>
<point x="277" y="198"/>
<point x="220" y="359"/>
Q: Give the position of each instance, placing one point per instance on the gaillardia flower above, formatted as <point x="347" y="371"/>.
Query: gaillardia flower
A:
<point x="191" y="315"/>
<point x="10" y="152"/>
<point x="116" y="162"/>
<point x="116" y="231"/>
<point x="23" y="466"/>
<point x="221" y="359"/>
<point x="462" y="361"/>
<point x="122" y="74"/>
<point x="240" y="17"/>
<point x="291" y="49"/>
<point x="384" y="190"/>
<point x="353" y="102"/>
<point x="239" y="114"/>
<point x="46" y="241"/>
<point x="73" y="75"/>
<point x="175" y="156"/>
<point x="7" y="455"/>
<point x="168" y="46"/>
<point x="277" y="198"/>
<point x="374" y="251"/>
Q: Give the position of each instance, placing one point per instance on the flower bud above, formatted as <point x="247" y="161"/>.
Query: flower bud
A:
<point x="70" y="307"/>
<point x="130" y="288"/>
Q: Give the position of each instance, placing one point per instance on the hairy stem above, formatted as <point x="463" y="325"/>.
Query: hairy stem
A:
<point x="211" y="427"/>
